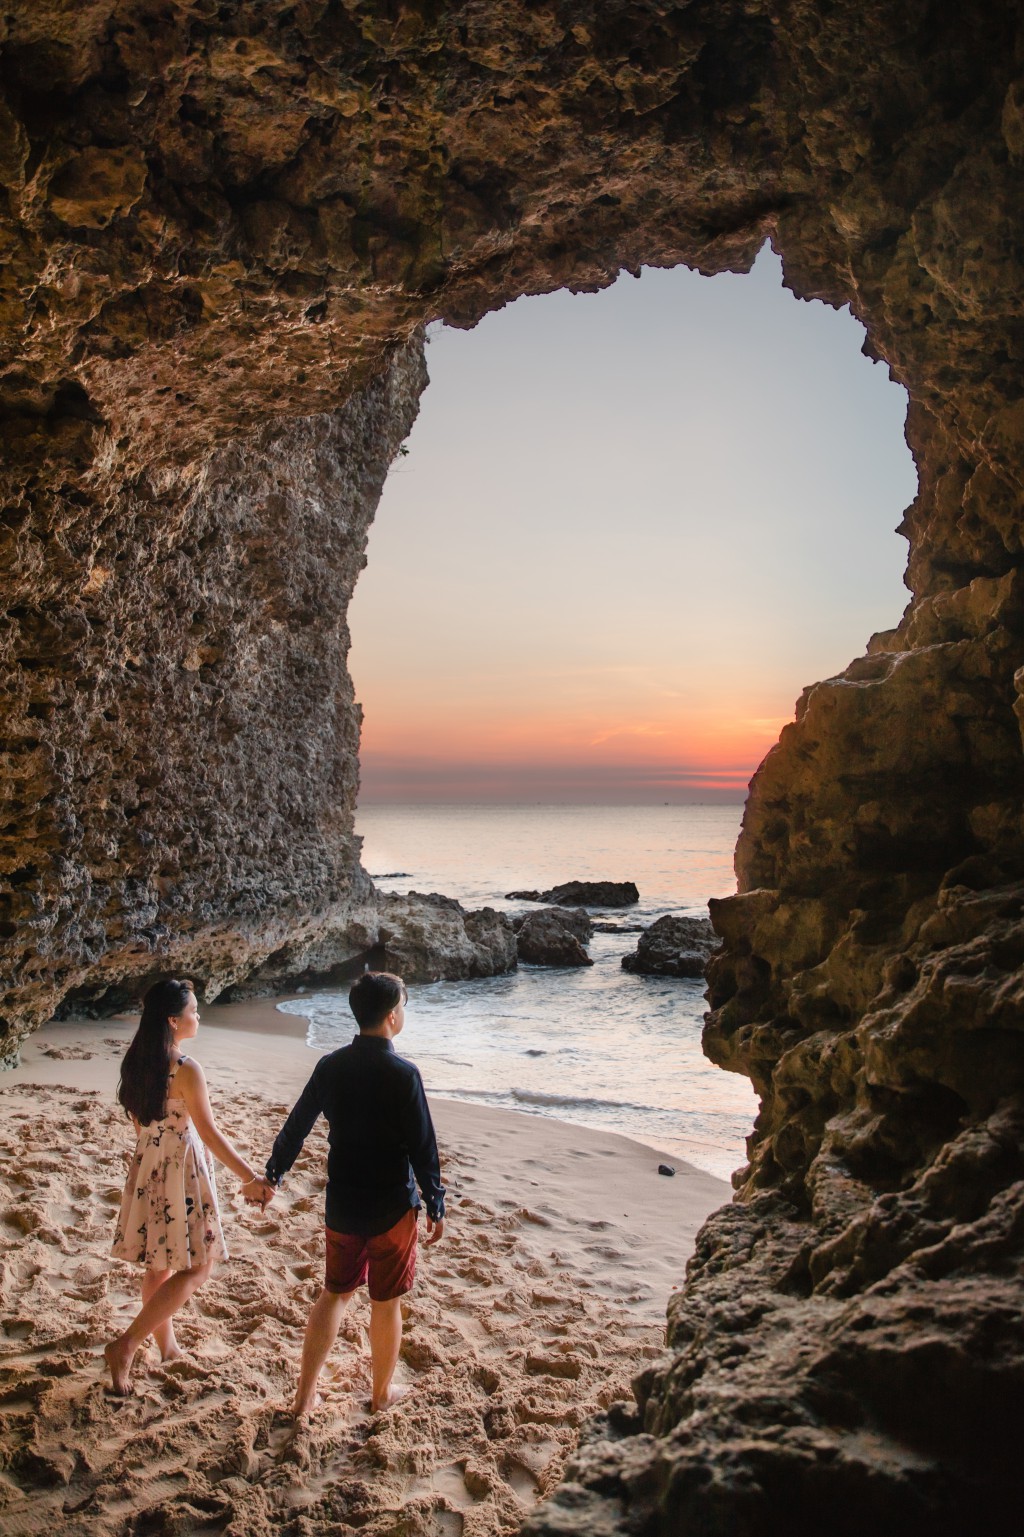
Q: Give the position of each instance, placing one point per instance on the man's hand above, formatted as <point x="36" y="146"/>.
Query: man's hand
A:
<point x="435" y="1231"/>
<point x="258" y="1192"/>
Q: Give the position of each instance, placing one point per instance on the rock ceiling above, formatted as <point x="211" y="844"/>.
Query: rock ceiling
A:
<point x="224" y="227"/>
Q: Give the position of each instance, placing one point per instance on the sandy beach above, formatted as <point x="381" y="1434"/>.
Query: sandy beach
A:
<point x="545" y="1297"/>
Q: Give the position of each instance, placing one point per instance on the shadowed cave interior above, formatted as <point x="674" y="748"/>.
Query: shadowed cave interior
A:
<point x="222" y="236"/>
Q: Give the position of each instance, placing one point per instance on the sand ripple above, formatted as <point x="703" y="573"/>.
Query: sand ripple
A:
<point x="508" y="1348"/>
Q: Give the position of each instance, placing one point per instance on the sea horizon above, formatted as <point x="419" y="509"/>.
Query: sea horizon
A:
<point x="596" y="1046"/>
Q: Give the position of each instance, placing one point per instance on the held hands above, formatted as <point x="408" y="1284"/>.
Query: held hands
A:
<point x="258" y="1192"/>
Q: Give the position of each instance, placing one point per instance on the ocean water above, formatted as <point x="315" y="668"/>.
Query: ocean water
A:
<point x="594" y="1045"/>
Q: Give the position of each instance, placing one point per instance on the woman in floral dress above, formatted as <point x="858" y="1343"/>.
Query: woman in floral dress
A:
<point x="169" y="1219"/>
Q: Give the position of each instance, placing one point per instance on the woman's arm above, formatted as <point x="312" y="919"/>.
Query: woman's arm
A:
<point x="190" y="1081"/>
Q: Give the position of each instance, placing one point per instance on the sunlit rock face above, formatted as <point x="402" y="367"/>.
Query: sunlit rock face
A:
<point x="180" y="754"/>
<point x="223" y="228"/>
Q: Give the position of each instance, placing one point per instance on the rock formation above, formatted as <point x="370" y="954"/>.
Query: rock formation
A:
<point x="673" y="946"/>
<point x="222" y="230"/>
<point x="433" y="938"/>
<point x="582" y="894"/>
<point x="554" y="936"/>
<point x="181" y="737"/>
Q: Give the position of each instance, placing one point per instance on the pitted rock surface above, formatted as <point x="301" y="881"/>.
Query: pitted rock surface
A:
<point x="673" y="946"/>
<point x="180" y="758"/>
<point x="428" y="938"/>
<point x="554" y="936"/>
<point x="223" y="228"/>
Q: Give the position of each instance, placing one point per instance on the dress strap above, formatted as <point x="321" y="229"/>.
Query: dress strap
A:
<point x="171" y="1076"/>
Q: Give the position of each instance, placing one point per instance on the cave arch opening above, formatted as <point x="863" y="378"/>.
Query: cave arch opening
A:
<point x="629" y="528"/>
<point x="671" y="502"/>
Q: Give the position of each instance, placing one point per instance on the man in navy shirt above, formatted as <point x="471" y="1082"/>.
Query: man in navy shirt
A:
<point x="382" y="1145"/>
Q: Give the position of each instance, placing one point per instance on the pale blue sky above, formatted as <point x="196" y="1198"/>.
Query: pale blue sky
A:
<point x="631" y="526"/>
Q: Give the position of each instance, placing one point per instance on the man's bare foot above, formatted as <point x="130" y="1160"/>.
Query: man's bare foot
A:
<point x="388" y="1400"/>
<point x="300" y="1409"/>
<point x="173" y="1353"/>
<point x="119" y="1358"/>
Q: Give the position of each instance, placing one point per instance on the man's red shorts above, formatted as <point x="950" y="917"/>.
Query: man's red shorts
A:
<point x="388" y="1259"/>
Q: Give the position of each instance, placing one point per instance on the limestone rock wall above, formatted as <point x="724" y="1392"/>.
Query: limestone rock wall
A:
<point x="223" y="226"/>
<point x="181" y="738"/>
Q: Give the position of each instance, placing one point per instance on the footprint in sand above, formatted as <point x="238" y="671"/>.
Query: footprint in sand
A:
<point x="304" y="1204"/>
<point x="521" y="1481"/>
<point x="452" y="1483"/>
<point x="606" y="1252"/>
<point x="536" y="1218"/>
<point x="185" y="1370"/>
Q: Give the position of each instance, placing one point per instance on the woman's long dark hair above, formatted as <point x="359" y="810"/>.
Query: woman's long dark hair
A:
<point x="146" y="1064"/>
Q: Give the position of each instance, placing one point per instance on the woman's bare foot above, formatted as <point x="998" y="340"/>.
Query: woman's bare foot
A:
<point x="172" y="1353"/>
<point x="300" y="1410"/>
<point x="119" y="1357"/>
<point x="389" y="1399"/>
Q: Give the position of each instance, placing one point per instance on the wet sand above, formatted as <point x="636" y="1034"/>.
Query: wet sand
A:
<point x="543" y="1300"/>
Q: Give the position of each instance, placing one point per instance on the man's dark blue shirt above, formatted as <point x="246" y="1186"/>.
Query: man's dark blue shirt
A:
<point x="382" y="1141"/>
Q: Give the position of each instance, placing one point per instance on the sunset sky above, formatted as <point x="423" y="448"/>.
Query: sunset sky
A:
<point x="631" y="526"/>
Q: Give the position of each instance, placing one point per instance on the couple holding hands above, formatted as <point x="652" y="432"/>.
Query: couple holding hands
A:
<point x="382" y="1145"/>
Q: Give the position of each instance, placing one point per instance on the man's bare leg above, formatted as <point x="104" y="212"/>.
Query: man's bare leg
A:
<point x="385" y="1342"/>
<point x="321" y="1332"/>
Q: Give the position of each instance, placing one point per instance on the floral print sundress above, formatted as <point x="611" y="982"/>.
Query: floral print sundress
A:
<point x="169" y="1215"/>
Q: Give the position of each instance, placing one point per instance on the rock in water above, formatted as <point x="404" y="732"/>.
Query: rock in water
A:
<point x="214" y="236"/>
<point x="576" y="919"/>
<point x="673" y="947"/>
<point x="432" y="938"/>
<point x="582" y="893"/>
<point x="553" y="937"/>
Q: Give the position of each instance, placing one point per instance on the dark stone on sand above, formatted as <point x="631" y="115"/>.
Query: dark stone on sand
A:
<point x="673" y="947"/>
<point x="553" y="937"/>
<point x="582" y="894"/>
<point x="666" y="1169"/>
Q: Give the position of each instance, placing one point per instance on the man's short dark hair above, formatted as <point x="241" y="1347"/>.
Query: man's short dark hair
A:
<point x="372" y="998"/>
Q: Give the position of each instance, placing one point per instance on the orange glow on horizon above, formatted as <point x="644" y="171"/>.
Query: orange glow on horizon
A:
<point x="554" y="755"/>
<point x="714" y="745"/>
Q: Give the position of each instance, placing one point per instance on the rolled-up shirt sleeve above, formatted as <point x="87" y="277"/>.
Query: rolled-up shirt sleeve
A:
<point x="422" y="1144"/>
<point x="296" y="1129"/>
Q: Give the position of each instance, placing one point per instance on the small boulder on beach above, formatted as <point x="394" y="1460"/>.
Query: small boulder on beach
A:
<point x="674" y="946"/>
<point x="582" y="894"/>
<point x="553" y="937"/>
<point x="426" y="938"/>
